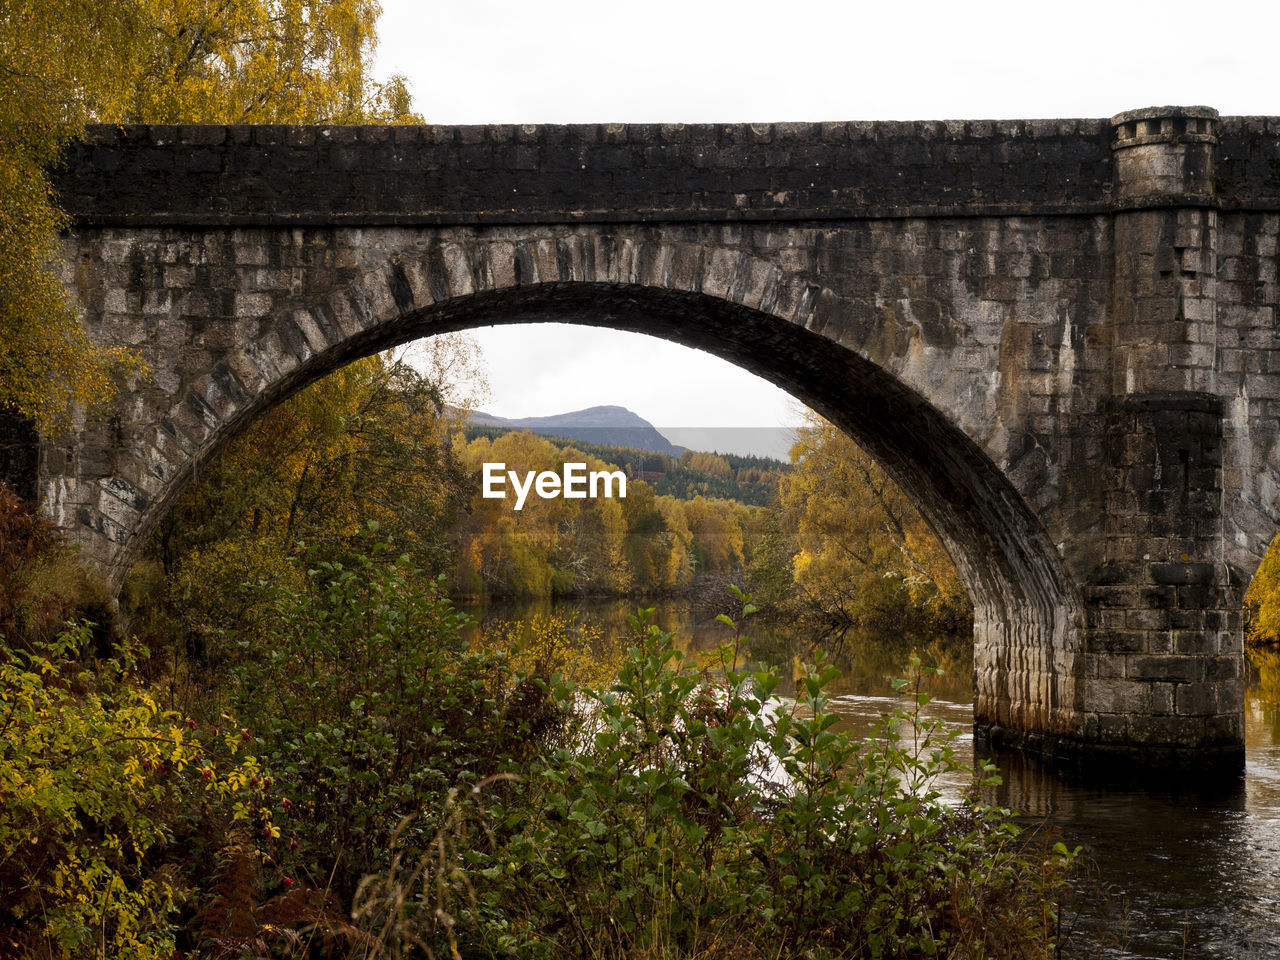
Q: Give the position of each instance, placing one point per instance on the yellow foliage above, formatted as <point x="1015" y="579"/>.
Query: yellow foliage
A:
<point x="674" y="567"/>
<point x="1267" y="662"/>
<point x="593" y="545"/>
<point x="551" y="546"/>
<point x="710" y="463"/>
<point x="717" y="532"/>
<point x="216" y="583"/>
<point x="363" y="445"/>
<point x="261" y="61"/>
<point x="863" y="549"/>
<point x="88" y="781"/>
<point x="1262" y="602"/>
<point x="551" y="643"/>
<point x="66" y="62"/>
<point x="57" y="57"/>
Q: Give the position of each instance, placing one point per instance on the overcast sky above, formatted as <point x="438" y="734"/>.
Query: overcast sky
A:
<point x="554" y="61"/>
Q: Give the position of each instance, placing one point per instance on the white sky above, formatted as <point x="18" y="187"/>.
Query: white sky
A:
<point x="557" y="61"/>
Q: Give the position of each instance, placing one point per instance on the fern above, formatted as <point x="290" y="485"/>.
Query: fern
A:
<point x="238" y="921"/>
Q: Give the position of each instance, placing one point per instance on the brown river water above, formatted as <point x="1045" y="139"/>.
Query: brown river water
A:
<point x="1187" y="868"/>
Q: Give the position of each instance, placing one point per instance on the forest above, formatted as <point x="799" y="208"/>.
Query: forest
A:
<point x="280" y="741"/>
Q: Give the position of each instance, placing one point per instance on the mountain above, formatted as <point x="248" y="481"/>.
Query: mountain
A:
<point x="609" y="425"/>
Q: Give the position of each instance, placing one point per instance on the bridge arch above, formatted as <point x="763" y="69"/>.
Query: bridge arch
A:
<point x="700" y="290"/>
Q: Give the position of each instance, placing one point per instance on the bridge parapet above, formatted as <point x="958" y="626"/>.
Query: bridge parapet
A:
<point x="586" y="173"/>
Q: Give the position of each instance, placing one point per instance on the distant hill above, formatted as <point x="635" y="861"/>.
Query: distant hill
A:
<point x="669" y="470"/>
<point x="608" y="426"/>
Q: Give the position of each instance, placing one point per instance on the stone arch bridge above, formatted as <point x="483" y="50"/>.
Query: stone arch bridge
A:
<point x="1058" y="336"/>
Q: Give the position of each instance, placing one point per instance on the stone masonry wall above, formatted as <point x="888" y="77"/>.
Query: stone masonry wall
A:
<point x="959" y="351"/>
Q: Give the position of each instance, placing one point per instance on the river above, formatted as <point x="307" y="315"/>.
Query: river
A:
<point x="1183" y="871"/>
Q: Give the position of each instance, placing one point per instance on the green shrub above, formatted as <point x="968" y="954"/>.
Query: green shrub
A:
<point x="42" y="584"/>
<point x="369" y="706"/>
<point x="94" y="779"/>
<point x="690" y="814"/>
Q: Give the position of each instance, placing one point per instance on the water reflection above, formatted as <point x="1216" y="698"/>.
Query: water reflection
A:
<point x="1189" y="868"/>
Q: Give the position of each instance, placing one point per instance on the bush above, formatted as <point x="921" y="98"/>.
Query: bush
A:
<point x="42" y="586"/>
<point x="368" y="705"/>
<point x="94" y="779"/>
<point x="456" y="801"/>
<point x="552" y="643"/>
<point x="690" y="814"/>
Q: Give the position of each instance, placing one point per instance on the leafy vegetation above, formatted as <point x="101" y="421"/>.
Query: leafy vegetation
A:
<point x="366" y="443"/>
<point x="839" y="550"/>
<point x="726" y="476"/>
<point x="96" y="781"/>
<point x="66" y="62"/>
<point x="548" y="644"/>
<point x="684" y="810"/>
<point x="42" y="586"/>
<point x="1262" y="601"/>
<point x="94" y="778"/>
<point x="642" y="544"/>
<point x="411" y="792"/>
<point x="366" y="703"/>
<point x="844" y="549"/>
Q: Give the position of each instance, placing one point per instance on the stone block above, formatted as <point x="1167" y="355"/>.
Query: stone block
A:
<point x="1117" y="696"/>
<point x="1146" y="619"/>
<point x="1162" y="698"/>
<point x="1169" y="668"/>
<point x="1187" y="620"/>
<point x="1197" y="699"/>
<point x="1225" y="729"/>
<point x="252" y="304"/>
<point x="1180" y="731"/>
<point x="1182" y="573"/>
<point x="1195" y="642"/>
<point x="1113" y="728"/>
<point x="1104" y="641"/>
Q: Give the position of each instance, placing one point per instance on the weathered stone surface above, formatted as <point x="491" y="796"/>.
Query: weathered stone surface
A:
<point x="1058" y="336"/>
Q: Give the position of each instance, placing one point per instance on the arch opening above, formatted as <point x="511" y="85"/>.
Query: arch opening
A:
<point x="1026" y="609"/>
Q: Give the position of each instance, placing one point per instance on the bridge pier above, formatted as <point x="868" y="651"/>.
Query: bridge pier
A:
<point x="1159" y="677"/>
<point x="1164" y="655"/>
<point x="1162" y="670"/>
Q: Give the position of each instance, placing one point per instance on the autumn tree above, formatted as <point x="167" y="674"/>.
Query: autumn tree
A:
<point x="671" y="548"/>
<point x="61" y="61"/>
<point x="717" y="534"/>
<point x="68" y="62"/>
<point x="366" y="443"/>
<point x="644" y="543"/>
<point x="710" y="463"/>
<point x="552" y="546"/>
<point x="262" y="61"/>
<point x="1262" y="601"/>
<point x="861" y="554"/>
